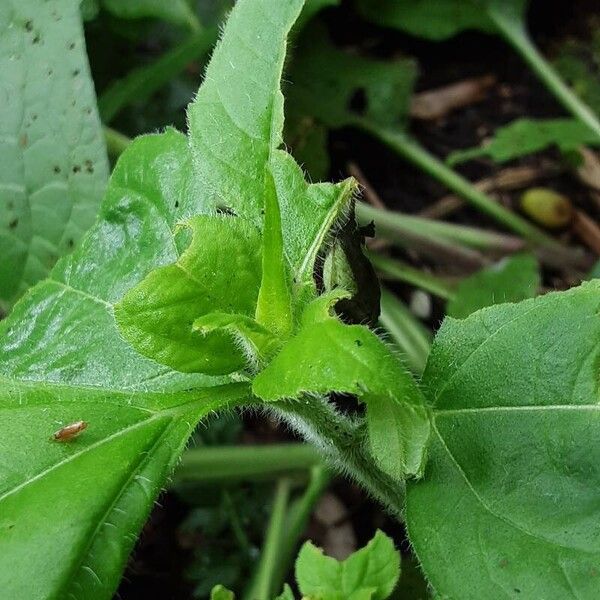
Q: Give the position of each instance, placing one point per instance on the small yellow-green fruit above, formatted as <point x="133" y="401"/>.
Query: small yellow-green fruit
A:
<point x="547" y="207"/>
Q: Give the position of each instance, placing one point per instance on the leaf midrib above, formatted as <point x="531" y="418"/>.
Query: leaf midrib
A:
<point x="171" y="411"/>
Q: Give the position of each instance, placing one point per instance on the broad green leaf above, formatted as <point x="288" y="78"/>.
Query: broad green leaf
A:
<point x="236" y="126"/>
<point x="174" y="11"/>
<point x="526" y="136"/>
<point x="54" y="166"/>
<point x="514" y="456"/>
<point x="71" y="511"/>
<point x="510" y="280"/>
<point x="328" y="356"/>
<point x="221" y="593"/>
<point x="218" y="271"/>
<point x="370" y="573"/>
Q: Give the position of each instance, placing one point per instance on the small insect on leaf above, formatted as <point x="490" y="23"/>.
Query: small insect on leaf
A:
<point x="69" y="432"/>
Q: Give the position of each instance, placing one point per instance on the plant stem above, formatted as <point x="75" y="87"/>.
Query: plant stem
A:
<point x="396" y="269"/>
<point x="116" y="142"/>
<point x="342" y="441"/>
<point x="391" y="223"/>
<point x="263" y="584"/>
<point x="249" y="463"/>
<point x="406" y="331"/>
<point x="296" y="521"/>
<point x="513" y="30"/>
<point x="412" y="151"/>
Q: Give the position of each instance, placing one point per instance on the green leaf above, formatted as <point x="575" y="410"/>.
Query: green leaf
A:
<point x="221" y="593"/>
<point x="274" y="306"/>
<point x="515" y="457"/>
<point x="219" y="271"/>
<point x="70" y="511"/>
<point x="256" y="342"/>
<point x="328" y="356"/>
<point x="54" y="165"/>
<point x="371" y="573"/>
<point x="236" y="132"/>
<point x="327" y="80"/>
<point x="434" y="19"/>
<point x="510" y="280"/>
<point x="526" y="136"/>
<point x="174" y="11"/>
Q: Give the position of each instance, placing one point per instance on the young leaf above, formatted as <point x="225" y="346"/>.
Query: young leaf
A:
<point x="236" y="132"/>
<point x="219" y="271"/>
<point x="274" y="306"/>
<point x="328" y="356"/>
<point x="511" y="280"/>
<point x="526" y="136"/>
<point x="54" y="164"/>
<point x="514" y="452"/>
<point x="371" y="573"/>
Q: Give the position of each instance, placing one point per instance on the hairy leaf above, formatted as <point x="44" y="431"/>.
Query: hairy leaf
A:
<point x="219" y="271"/>
<point x="514" y="452"/>
<point x="325" y="356"/>
<point x="70" y="511"/>
<point x="236" y="126"/>
<point x="54" y="165"/>
<point x="62" y="360"/>
<point x="370" y="573"/>
<point x="511" y="280"/>
<point x="526" y="136"/>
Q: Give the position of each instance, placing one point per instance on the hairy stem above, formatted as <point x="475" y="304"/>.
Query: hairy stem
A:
<point x="342" y="441"/>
